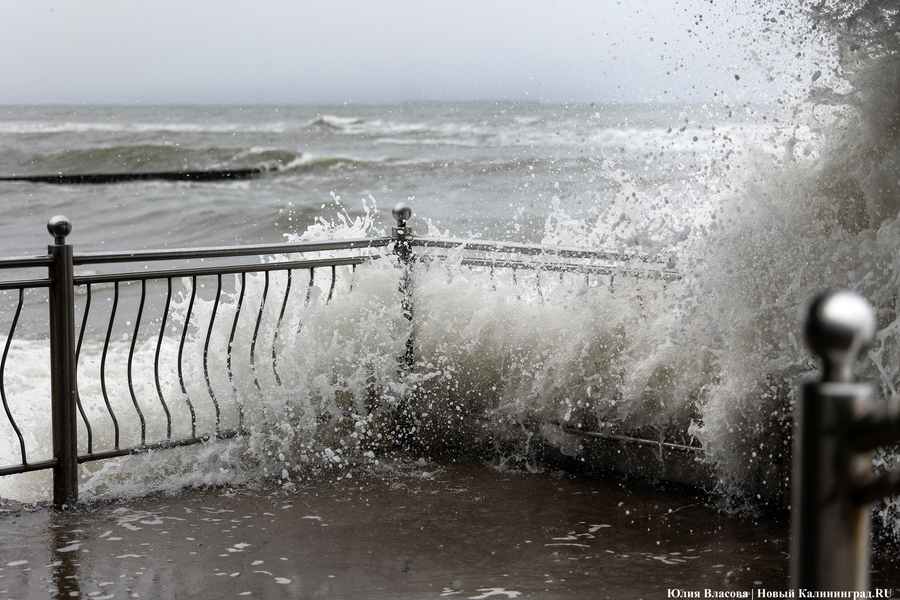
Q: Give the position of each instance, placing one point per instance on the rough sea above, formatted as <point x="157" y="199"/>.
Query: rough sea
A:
<point x="489" y="170"/>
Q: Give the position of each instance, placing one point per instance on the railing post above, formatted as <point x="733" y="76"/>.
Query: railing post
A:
<point x="401" y="235"/>
<point x="838" y="425"/>
<point x="63" y="382"/>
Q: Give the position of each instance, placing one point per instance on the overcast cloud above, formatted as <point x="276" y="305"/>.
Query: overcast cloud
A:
<point x="271" y="51"/>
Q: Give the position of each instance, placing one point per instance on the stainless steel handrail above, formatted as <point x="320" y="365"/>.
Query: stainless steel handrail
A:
<point x="91" y="258"/>
<point x="32" y="261"/>
<point x="539" y="257"/>
<point x="222" y="270"/>
<point x="531" y="249"/>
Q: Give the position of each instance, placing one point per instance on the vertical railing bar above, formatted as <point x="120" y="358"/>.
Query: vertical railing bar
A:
<point x="403" y="250"/>
<point x="287" y="291"/>
<point x="112" y="318"/>
<point x="184" y="332"/>
<point x="838" y="426"/>
<point x="309" y="287"/>
<point x="333" y="280"/>
<point x="159" y="342"/>
<point x="237" y="314"/>
<point x="84" y="321"/>
<point x="137" y="326"/>
<point x="259" y="317"/>
<point x="12" y="331"/>
<point x="63" y="367"/>
<point x="516" y="282"/>
<point x="212" y="320"/>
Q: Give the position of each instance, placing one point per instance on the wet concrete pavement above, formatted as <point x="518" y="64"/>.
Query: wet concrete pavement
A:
<point x="452" y="532"/>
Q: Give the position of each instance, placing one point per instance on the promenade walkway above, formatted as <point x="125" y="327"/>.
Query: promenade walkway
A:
<point x="462" y="531"/>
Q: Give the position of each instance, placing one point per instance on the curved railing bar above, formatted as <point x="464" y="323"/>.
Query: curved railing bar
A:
<point x="9" y="337"/>
<point x="159" y="342"/>
<point x="309" y="288"/>
<point x="287" y="291"/>
<point x="84" y="321"/>
<point x="237" y="315"/>
<point x="134" y="336"/>
<point x="333" y="280"/>
<point x="184" y="332"/>
<point x="212" y="321"/>
<point x="112" y="318"/>
<point x="259" y="316"/>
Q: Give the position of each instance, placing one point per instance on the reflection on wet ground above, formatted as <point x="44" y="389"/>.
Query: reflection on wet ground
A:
<point x="463" y="531"/>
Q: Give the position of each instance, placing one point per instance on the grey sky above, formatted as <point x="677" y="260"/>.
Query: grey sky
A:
<point x="272" y="51"/>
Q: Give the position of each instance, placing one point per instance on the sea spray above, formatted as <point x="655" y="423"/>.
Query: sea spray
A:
<point x="815" y="210"/>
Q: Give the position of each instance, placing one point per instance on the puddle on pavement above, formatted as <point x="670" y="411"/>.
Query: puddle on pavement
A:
<point x="459" y="531"/>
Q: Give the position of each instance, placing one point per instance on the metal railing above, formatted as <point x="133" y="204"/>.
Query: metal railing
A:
<point x="157" y="311"/>
<point x="839" y="425"/>
<point x="177" y="291"/>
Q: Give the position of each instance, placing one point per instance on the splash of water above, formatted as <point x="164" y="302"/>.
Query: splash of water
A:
<point x="810" y="206"/>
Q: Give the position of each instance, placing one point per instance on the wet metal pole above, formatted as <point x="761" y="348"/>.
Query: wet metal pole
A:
<point x="403" y="249"/>
<point x="838" y="425"/>
<point x="63" y="387"/>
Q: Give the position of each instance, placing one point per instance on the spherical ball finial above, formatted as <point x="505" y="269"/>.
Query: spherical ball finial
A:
<point x="59" y="227"/>
<point x="402" y="212"/>
<point x="840" y="326"/>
